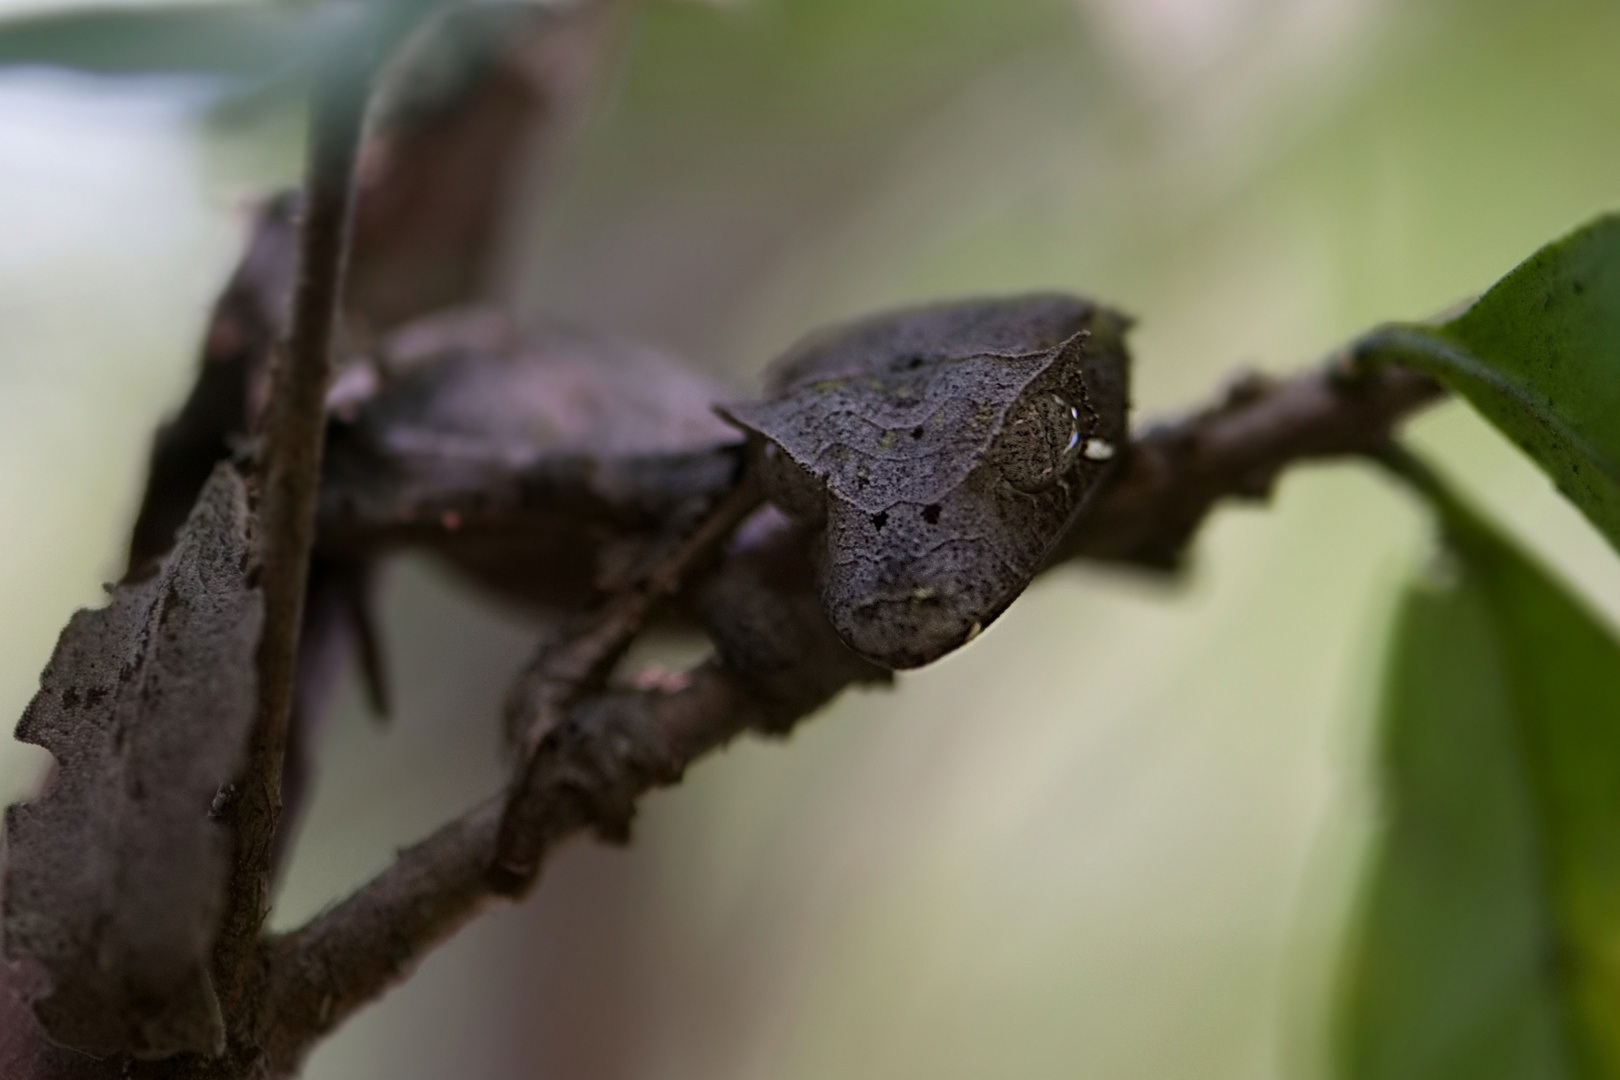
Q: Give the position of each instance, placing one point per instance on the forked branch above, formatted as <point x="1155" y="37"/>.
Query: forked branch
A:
<point x="597" y="753"/>
<point x="565" y="672"/>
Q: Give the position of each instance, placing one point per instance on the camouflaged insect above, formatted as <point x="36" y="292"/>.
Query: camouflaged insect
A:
<point x="939" y="454"/>
<point x="548" y="464"/>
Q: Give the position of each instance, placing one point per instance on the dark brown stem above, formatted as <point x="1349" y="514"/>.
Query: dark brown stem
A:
<point x="288" y="469"/>
<point x="1176" y="472"/>
<point x="345" y="957"/>
<point x="582" y="662"/>
<point x="601" y="752"/>
<point x="437" y="198"/>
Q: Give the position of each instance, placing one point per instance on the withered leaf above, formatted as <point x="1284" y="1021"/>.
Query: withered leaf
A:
<point x="545" y="463"/>
<point x="115" y="876"/>
<point x="246" y="320"/>
<point x="941" y="452"/>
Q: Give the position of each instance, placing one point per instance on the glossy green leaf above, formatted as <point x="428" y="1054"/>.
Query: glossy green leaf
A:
<point x="1539" y="355"/>
<point x="1489" y="944"/>
<point x="241" y="40"/>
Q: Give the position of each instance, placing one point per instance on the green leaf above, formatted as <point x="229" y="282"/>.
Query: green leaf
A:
<point x="237" y="40"/>
<point x="1489" y="943"/>
<point x="1539" y="355"/>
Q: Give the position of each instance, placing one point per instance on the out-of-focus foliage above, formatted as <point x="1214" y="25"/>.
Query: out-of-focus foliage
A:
<point x="1540" y="355"/>
<point x="1488" y="944"/>
<point x="1487" y="947"/>
<point x="253" y="51"/>
<point x="249" y="41"/>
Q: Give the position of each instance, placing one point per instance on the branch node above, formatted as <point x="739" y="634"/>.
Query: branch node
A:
<point x="571" y="775"/>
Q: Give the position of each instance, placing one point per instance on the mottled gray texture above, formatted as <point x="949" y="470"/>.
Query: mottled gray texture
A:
<point x="115" y="876"/>
<point x="487" y="387"/>
<point x="548" y="464"/>
<point x="940" y="453"/>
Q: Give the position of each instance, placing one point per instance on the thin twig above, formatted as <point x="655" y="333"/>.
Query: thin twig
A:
<point x="455" y="162"/>
<point x="581" y="662"/>
<point x="609" y="748"/>
<point x="289" y="474"/>
<point x="345" y="957"/>
<point x="1176" y="472"/>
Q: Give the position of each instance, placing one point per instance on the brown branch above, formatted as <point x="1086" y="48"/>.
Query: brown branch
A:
<point x="288" y="470"/>
<point x="1173" y="475"/>
<point x="443" y="189"/>
<point x="779" y="662"/>
<point x="581" y="662"/>
<point x="1178" y="471"/>
<point x="347" y="956"/>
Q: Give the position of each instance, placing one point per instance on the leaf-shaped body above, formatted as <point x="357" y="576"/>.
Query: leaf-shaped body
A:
<point x="541" y="462"/>
<point x="941" y="452"/>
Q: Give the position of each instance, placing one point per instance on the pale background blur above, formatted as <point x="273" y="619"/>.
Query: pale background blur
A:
<point x="1115" y="838"/>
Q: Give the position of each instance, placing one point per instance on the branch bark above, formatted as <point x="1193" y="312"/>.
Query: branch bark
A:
<point x="427" y="181"/>
<point x="613" y="749"/>
<point x="777" y="663"/>
<point x="1177" y="472"/>
<point x="288" y="469"/>
<point x="563" y="673"/>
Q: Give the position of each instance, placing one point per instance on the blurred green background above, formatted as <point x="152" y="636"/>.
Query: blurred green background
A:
<point x="1118" y="836"/>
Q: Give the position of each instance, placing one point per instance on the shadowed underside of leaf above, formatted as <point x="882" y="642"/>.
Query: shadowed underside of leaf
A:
<point x="1539" y="355"/>
<point x="1486" y="947"/>
<point x="114" y="877"/>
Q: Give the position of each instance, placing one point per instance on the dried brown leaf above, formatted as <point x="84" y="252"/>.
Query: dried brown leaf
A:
<point x="548" y="464"/>
<point x="114" y="877"/>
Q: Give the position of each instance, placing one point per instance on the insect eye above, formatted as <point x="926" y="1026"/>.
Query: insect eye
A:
<point x="1039" y="442"/>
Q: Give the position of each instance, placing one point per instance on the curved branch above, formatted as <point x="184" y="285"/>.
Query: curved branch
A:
<point x="1235" y="448"/>
<point x="347" y="956"/>
<point x="546" y="783"/>
<point x="778" y="663"/>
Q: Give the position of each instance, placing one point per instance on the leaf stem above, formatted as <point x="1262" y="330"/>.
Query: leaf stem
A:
<point x="581" y="662"/>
